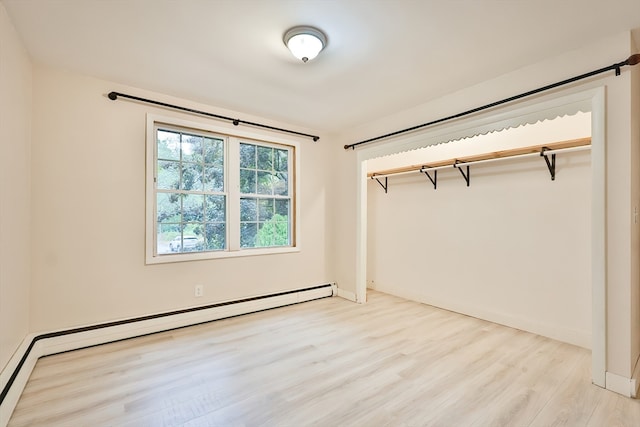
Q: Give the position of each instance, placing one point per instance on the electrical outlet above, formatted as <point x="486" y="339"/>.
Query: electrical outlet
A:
<point x="199" y="291"/>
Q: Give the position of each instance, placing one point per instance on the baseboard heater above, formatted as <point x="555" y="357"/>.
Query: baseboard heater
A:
<point x="36" y="346"/>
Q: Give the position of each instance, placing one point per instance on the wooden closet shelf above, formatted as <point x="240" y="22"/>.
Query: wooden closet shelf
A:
<point x="560" y="145"/>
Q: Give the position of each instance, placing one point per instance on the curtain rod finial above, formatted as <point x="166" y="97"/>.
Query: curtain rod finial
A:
<point x="634" y="59"/>
<point x="113" y="96"/>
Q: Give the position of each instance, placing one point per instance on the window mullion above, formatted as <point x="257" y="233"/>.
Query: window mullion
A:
<point x="233" y="190"/>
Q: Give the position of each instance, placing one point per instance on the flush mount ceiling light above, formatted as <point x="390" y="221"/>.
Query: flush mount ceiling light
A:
<point x="305" y="42"/>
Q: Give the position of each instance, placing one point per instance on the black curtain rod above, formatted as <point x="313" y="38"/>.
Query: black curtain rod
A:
<point x="114" y="95"/>
<point x="632" y="60"/>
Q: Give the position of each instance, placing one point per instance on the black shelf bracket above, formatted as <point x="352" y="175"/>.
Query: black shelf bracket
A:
<point x="467" y="176"/>
<point x="550" y="164"/>
<point x="434" y="179"/>
<point x="385" y="185"/>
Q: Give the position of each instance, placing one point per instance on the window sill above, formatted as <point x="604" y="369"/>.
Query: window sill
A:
<point x="200" y="256"/>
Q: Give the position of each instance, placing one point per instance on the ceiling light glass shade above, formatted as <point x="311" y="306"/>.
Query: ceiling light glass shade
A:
<point x="305" y="43"/>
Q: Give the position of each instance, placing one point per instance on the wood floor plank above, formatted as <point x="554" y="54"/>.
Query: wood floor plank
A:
<point x="330" y="362"/>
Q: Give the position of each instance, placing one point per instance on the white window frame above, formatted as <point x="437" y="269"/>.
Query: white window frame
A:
<point x="234" y="136"/>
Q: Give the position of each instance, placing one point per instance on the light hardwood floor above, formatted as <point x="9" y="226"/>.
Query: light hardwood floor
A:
<point x="329" y="362"/>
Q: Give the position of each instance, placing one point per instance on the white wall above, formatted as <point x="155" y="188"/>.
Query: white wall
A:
<point x="514" y="247"/>
<point x="15" y="187"/>
<point x="619" y="210"/>
<point x="343" y="238"/>
<point x="635" y="187"/>
<point x="621" y="229"/>
<point x="89" y="214"/>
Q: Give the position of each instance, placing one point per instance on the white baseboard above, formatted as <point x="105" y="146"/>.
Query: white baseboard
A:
<point x="31" y="357"/>
<point x="621" y="385"/>
<point x="635" y="380"/>
<point x="347" y="295"/>
<point x="65" y="340"/>
<point x="115" y="333"/>
<point x="334" y="289"/>
<point x="579" y="338"/>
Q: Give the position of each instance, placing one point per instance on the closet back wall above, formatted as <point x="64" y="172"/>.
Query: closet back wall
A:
<point x="513" y="248"/>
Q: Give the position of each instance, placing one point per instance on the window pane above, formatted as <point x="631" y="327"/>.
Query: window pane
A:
<point x="213" y="151"/>
<point x="166" y="233"/>
<point x="282" y="207"/>
<point x="175" y="245"/>
<point x="274" y="232"/>
<point x="168" y="175"/>
<point x="248" y="209"/>
<point x="192" y="177"/>
<point x="248" y="233"/>
<point x="168" y="207"/>
<point x="265" y="209"/>
<point x="215" y="237"/>
<point x="168" y="145"/>
<point x="192" y="207"/>
<point x="265" y="158"/>
<point x="247" y="156"/>
<point x="193" y="230"/>
<point x="191" y="148"/>
<point x="265" y="183"/>
<point x="214" y="179"/>
<point x="281" y="160"/>
<point x="247" y="181"/>
<point x="281" y="184"/>
<point x="190" y="240"/>
<point x="215" y="209"/>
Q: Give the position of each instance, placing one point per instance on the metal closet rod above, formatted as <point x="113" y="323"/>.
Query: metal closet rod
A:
<point x="114" y="95"/>
<point x="632" y="60"/>
<point x="543" y="153"/>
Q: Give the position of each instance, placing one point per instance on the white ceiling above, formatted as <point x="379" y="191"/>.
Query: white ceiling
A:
<point x="383" y="55"/>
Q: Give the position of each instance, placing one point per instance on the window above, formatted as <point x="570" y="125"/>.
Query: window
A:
<point x="190" y="197"/>
<point x="215" y="195"/>
<point x="265" y="201"/>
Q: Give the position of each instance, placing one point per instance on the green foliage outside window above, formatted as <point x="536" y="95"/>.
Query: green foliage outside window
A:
<point x="274" y="232"/>
<point x="264" y="212"/>
<point x="192" y="197"/>
<point x="190" y="173"/>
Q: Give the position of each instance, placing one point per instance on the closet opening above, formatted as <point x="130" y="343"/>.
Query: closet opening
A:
<point x="481" y="220"/>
